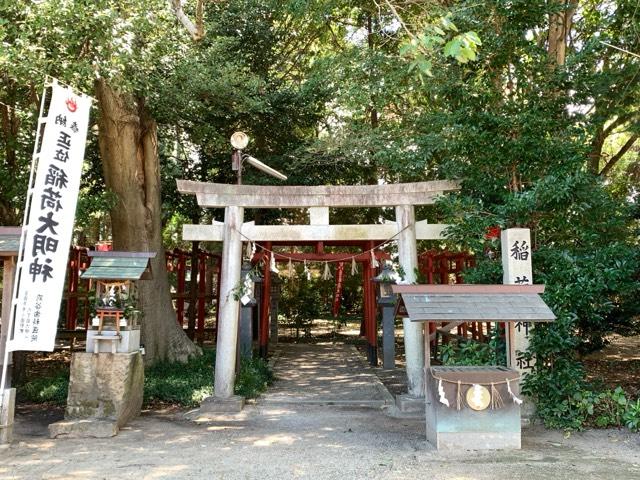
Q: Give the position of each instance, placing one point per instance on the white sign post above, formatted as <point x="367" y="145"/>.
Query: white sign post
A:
<point x="50" y="209"/>
<point x="516" y="264"/>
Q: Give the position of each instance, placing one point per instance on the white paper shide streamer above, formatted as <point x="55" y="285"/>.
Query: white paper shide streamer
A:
<point x="374" y="261"/>
<point x="326" y="275"/>
<point x="516" y="400"/>
<point x="306" y="271"/>
<point x="247" y="289"/>
<point x="290" y="269"/>
<point x="443" y="398"/>
<point x="354" y="266"/>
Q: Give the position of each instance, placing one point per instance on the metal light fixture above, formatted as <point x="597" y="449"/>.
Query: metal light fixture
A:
<point x="239" y="140"/>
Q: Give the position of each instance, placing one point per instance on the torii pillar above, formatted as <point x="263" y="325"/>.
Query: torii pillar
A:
<point x="413" y="332"/>
<point x="223" y="399"/>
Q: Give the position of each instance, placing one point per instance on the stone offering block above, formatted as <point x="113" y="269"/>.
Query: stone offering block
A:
<point x="495" y="426"/>
<point x="103" y="388"/>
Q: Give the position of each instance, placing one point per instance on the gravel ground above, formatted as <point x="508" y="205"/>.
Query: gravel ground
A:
<point x="269" y="442"/>
<point x="287" y="435"/>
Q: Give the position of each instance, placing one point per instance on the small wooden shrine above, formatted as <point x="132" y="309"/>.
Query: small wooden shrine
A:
<point x="115" y="327"/>
<point x="474" y="408"/>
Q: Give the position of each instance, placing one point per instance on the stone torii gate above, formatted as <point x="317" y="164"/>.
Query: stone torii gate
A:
<point x="318" y="199"/>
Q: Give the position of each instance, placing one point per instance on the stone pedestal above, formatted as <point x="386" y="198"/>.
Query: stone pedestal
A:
<point x="213" y="404"/>
<point x="408" y="404"/>
<point x="6" y="415"/>
<point x="105" y="392"/>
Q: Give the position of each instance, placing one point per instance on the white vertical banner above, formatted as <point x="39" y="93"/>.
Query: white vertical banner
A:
<point x="49" y="217"/>
<point x="517" y="270"/>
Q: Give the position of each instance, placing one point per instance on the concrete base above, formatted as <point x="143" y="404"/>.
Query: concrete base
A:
<point x="129" y="341"/>
<point x="476" y="440"/>
<point x="105" y="392"/>
<point x="7" y="410"/>
<point x="83" y="429"/>
<point x="213" y="404"/>
<point x="408" y="404"/>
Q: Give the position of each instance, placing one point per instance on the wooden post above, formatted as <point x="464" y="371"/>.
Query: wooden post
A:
<point x="72" y="291"/>
<point x="181" y="274"/>
<point x="218" y="287"/>
<point x="229" y="307"/>
<point x="265" y="301"/>
<point x="202" y="291"/>
<point x="413" y="332"/>
<point x="7" y="401"/>
<point x="7" y="296"/>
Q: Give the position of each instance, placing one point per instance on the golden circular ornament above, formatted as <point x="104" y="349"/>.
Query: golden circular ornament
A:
<point x="478" y="397"/>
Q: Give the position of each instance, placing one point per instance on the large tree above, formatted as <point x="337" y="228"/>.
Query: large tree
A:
<point x="119" y="43"/>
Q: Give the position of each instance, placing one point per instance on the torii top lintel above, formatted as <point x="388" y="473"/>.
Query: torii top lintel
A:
<point x="260" y="196"/>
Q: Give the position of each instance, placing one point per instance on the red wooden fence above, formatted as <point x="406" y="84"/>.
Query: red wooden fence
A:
<point x="444" y="267"/>
<point x="76" y="303"/>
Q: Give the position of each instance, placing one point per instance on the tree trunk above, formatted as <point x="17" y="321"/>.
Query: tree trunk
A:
<point x="560" y="23"/>
<point x="128" y="148"/>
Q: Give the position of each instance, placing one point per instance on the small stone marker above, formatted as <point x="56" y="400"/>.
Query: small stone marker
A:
<point x="6" y="415"/>
<point x="517" y="270"/>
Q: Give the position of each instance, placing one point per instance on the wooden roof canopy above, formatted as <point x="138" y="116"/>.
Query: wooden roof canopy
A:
<point x="447" y="303"/>
<point x="10" y="241"/>
<point x="119" y="266"/>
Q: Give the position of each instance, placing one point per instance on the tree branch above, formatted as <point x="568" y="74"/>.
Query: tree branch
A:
<point x="625" y="148"/>
<point x="196" y="30"/>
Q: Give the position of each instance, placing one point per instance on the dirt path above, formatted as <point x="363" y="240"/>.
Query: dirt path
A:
<point x="324" y="373"/>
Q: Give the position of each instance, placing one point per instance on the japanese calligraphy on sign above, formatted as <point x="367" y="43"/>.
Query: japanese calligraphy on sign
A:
<point x="516" y="264"/>
<point x="51" y="204"/>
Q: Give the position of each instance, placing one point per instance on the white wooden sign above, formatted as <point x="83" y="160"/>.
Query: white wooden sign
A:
<point x="517" y="270"/>
<point x="49" y="218"/>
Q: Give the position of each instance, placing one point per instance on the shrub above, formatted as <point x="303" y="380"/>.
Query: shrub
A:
<point x="185" y="384"/>
<point x="254" y="377"/>
<point x="631" y="416"/>
<point x="51" y="390"/>
<point x="188" y="384"/>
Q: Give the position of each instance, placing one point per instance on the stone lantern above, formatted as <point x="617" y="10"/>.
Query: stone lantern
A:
<point x="247" y="302"/>
<point x="387" y="300"/>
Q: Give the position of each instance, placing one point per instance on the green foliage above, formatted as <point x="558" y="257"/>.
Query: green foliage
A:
<point x="510" y="131"/>
<point x="609" y="408"/>
<point x="466" y="353"/>
<point x="471" y="352"/>
<point x="50" y="390"/>
<point x="181" y="384"/>
<point x="631" y="416"/>
<point x="303" y="300"/>
<point x="254" y="377"/>
<point x="188" y="384"/>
